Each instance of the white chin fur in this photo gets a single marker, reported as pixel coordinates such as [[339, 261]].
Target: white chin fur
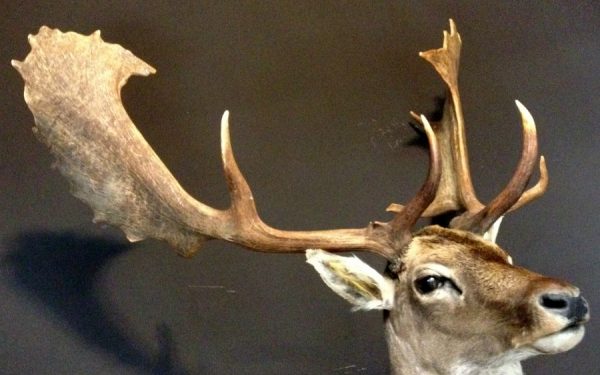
[[560, 341]]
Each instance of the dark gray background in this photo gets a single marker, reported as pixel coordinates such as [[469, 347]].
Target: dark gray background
[[319, 93]]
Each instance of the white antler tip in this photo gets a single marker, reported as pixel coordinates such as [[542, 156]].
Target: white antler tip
[[521, 107], [225, 138], [225, 124], [528, 120], [16, 64], [426, 124], [452, 27]]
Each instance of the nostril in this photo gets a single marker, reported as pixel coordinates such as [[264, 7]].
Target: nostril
[[573, 308], [554, 301]]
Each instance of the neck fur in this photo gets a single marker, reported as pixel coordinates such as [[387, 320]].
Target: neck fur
[[411, 357]]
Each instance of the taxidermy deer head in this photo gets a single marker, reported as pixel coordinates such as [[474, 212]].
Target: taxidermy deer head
[[453, 300]]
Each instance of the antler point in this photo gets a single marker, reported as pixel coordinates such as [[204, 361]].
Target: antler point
[[226, 152], [543, 170], [16, 64], [527, 118], [427, 126]]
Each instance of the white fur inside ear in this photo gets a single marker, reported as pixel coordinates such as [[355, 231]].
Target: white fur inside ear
[[353, 280]]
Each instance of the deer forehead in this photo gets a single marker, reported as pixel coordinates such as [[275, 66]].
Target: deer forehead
[[474, 261], [481, 266], [452, 247]]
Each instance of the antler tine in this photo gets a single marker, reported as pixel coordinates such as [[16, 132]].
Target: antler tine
[[536, 191], [244, 226], [386, 239], [407, 216], [482, 220], [242, 201]]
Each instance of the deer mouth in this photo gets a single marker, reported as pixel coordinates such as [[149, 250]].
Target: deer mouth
[[577, 322], [574, 325], [561, 341]]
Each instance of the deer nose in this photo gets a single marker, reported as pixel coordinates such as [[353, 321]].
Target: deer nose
[[573, 308]]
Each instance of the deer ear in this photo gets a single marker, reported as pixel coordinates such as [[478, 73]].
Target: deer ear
[[353, 280]]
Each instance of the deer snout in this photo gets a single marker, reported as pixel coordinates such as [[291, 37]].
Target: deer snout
[[574, 308]]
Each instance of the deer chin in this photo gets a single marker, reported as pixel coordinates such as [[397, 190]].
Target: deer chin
[[561, 341]]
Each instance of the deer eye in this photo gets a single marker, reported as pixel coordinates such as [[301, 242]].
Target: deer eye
[[429, 283]]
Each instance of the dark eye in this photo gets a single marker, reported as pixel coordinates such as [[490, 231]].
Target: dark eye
[[428, 284]]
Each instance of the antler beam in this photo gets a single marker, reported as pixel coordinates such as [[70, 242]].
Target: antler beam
[[72, 86]]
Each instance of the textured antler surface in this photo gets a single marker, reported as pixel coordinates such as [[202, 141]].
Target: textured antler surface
[[456, 192], [72, 86]]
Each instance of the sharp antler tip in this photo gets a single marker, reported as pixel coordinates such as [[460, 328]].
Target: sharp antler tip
[[528, 121], [225, 122], [225, 115], [521, 107], [452, 26], [225, 137], [415, 116], [426, 124], [543, 168], [16, 64]]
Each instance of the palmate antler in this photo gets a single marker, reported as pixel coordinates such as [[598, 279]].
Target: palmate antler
[[72, 86], [455, 192]]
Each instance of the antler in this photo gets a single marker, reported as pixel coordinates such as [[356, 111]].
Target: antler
[[455, 192], [72, 86]]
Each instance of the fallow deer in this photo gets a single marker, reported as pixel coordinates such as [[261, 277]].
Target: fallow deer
[[454, 302]]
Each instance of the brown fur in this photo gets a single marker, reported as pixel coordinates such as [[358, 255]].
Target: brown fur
[[497, 312]]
